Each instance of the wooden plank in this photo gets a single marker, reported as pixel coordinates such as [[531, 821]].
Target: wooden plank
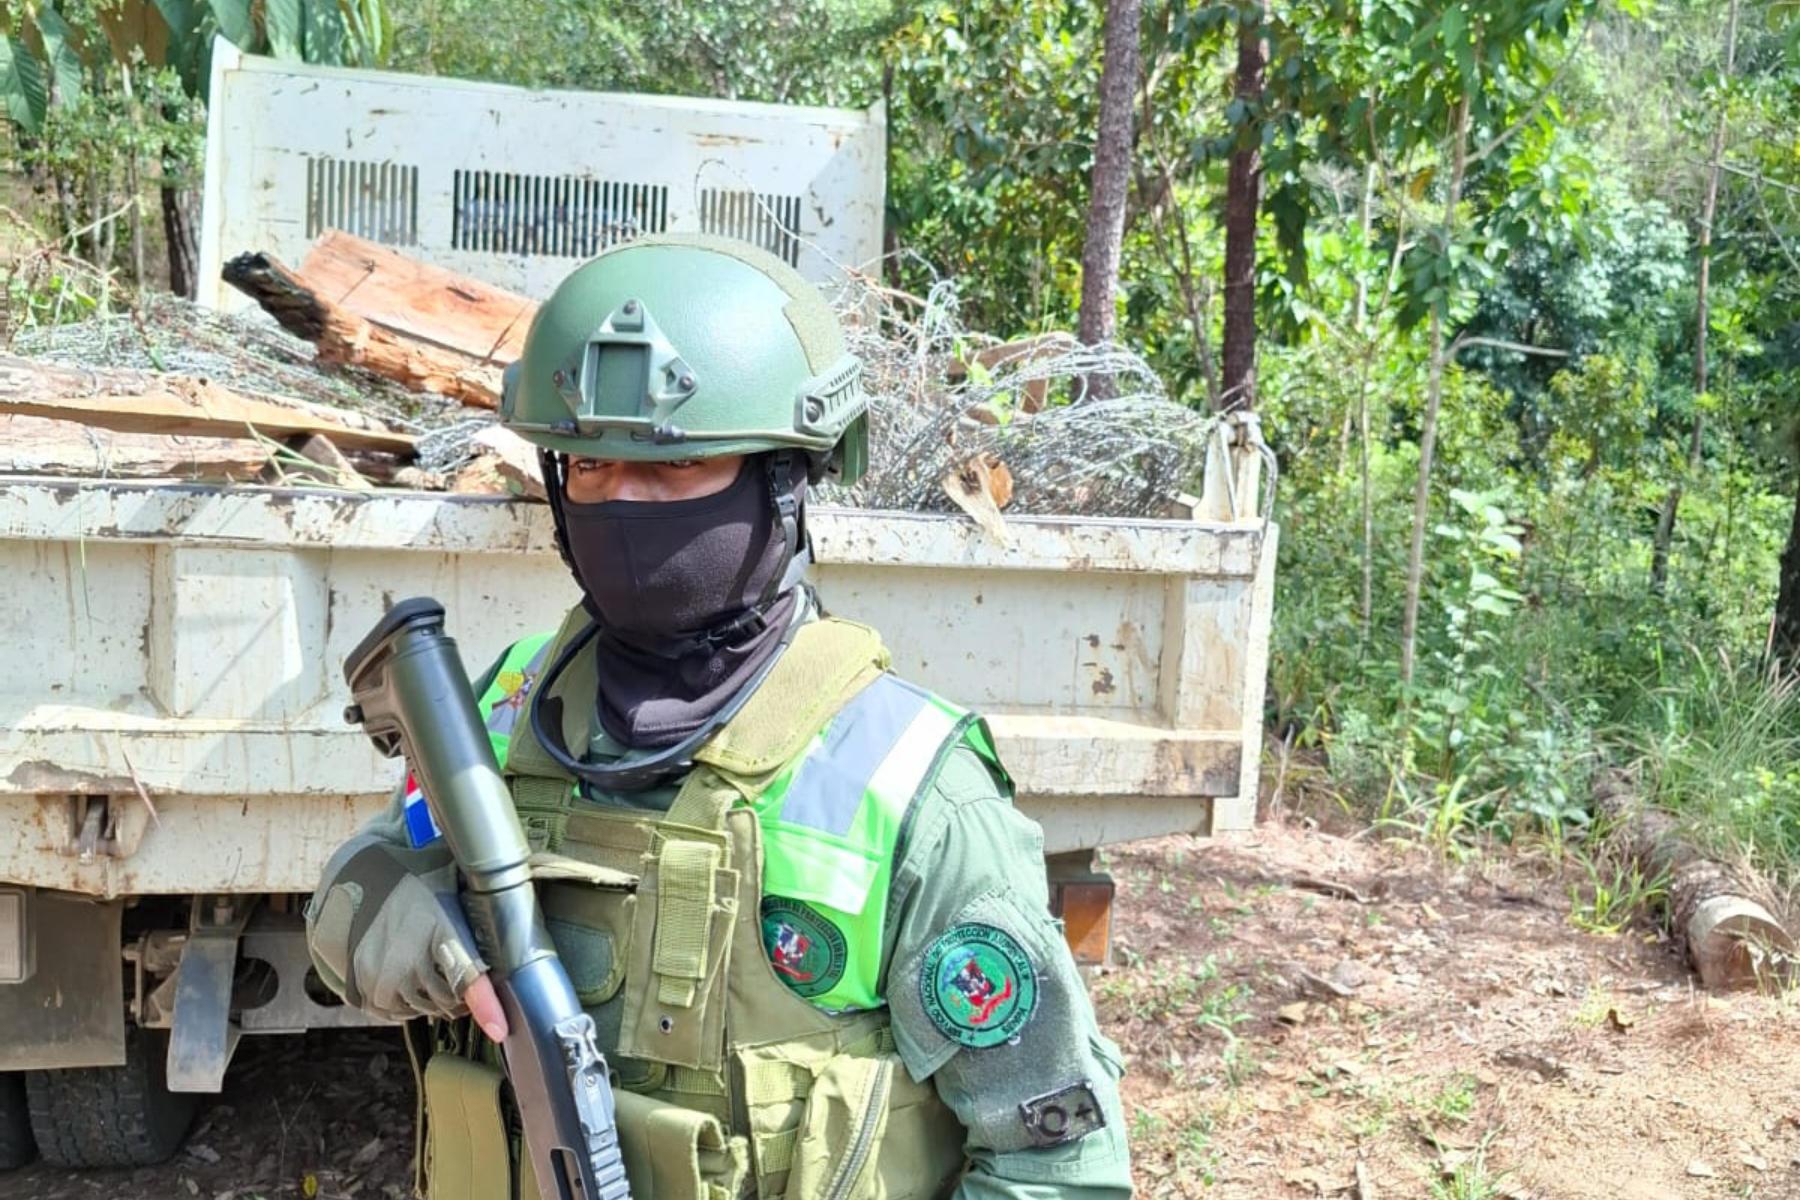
[[389, 289], [41, 446], [345, 338], [145, 402]]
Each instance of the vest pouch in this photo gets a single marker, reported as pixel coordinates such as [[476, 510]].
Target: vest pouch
[[685, 908], [467, 1155], [842, 1129], [588, 911], [675, 1153]]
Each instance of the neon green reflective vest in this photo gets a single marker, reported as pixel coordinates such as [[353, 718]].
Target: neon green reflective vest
[[832, 821]]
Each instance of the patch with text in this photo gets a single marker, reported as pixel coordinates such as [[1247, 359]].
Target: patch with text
[[806, 949], [978, 986]]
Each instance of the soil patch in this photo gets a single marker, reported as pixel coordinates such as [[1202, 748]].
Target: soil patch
[[1311, 1015]]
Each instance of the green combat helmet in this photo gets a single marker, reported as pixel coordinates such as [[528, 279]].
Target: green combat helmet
[[673, 347]]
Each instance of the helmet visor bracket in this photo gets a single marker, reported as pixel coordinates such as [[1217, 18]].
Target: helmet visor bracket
[[629, 376]]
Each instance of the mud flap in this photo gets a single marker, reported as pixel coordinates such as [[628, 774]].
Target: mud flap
[[203, 1035], [71, 1011]]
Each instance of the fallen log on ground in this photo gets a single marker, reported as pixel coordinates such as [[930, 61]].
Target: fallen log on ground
[[1728, 936], [347, 339], [130, 401], [431, 304]]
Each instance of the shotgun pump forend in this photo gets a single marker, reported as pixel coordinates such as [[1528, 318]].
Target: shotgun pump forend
[[411, 696]]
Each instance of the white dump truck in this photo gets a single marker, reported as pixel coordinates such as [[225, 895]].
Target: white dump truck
[[175, 766]]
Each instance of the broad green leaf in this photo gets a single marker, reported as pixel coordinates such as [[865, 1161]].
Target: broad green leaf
[[189, 48], [322, 32], [236, 22], [27, 91], [65, 62], [283, 24]]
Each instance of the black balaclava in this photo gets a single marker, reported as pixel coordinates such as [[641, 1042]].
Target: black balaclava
[[692, 597]]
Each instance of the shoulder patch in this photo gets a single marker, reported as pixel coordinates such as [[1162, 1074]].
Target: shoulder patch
[[977, 985], [806, 949]]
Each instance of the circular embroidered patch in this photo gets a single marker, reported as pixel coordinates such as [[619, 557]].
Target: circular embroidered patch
[[806, 950], [978, 985]]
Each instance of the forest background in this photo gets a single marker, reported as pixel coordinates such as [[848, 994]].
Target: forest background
[[1512, 287]]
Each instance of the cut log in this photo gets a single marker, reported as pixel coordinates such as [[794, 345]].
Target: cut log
[[349, 340], [41, 446], [518, 461], [1728, 936], [146, 402], [427, 303]]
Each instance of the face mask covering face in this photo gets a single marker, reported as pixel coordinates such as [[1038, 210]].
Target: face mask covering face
[[676, 587]]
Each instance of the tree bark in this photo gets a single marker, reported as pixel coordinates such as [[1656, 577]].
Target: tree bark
[[1665, 523], [1243, 200], [414, 298], [1785, 645], [1725, 934], [178, 232], [1111, 185], [347, 339]]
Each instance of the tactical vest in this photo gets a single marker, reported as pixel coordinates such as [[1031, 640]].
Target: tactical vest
[[752, 1044]]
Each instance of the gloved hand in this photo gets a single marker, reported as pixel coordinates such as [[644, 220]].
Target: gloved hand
[[387, 933]]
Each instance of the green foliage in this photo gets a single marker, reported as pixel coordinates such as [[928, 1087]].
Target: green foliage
[[27, 91], [1720, 745], [799, 51], [1613, 896]]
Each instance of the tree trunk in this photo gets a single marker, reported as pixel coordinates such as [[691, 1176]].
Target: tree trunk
[[184, 250], [1785, 647], [1725, 934], [1665, 523], [1434, 396], [1111, 184], [1243, 199]]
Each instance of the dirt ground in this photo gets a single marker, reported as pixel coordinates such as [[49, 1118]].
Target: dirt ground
[[1305, 1015], [1310, 1015]]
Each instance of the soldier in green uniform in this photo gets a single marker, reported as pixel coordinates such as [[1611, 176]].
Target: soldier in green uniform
[[789, 886]]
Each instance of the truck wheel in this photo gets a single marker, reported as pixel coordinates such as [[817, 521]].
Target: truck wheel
[[16, 1145], [110, 1116]]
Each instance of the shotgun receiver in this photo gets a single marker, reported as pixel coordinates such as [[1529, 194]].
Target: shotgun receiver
[[411, 697]]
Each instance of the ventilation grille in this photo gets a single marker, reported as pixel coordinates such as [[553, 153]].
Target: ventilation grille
[[551, 215], [769, 221], [377, 201]]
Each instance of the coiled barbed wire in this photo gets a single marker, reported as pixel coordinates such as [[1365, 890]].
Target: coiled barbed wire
[[940, 396]]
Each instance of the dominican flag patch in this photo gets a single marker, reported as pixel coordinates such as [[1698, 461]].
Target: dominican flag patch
[[421, 830]]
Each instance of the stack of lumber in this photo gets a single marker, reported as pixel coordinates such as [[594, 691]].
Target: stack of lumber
[[365, 308]]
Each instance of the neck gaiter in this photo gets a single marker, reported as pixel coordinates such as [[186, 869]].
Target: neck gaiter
[[686, 593]]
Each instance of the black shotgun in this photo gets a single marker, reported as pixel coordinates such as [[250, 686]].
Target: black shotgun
[[411, 697]]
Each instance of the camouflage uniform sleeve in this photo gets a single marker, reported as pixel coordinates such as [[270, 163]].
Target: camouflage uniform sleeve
[[333, 944], [987, 1001]]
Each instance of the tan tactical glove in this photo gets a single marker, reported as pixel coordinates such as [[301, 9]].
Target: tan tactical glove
[[387, 933]]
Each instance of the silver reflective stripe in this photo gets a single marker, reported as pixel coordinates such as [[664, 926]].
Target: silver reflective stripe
[[505, 714], [827, 791]]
